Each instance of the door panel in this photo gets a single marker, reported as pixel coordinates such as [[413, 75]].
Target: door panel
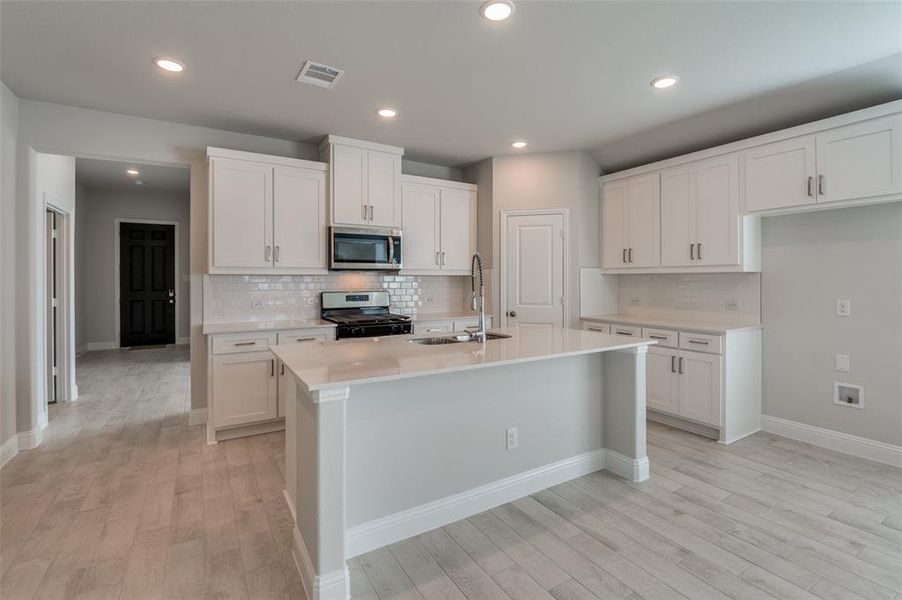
[[861, 160], [349, 185], [677, 215], [700, 387], [613, 224], [661, 380], [458, 209], [644, 217], [384, 188], [535, 269], [716, 212], [299, 218], [244, 389], [241, 213], [419, 208], [146, 284], [777, 175]]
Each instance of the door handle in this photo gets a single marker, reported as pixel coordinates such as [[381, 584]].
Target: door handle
[[283, 370], [673, 364], [699, 250], [681, 365], [436, 257], [272, 367], [810, 186], [691, 251], [171, 293], [305, 339], [371, 212], [363, 210], [821, 188], [267, 253], [245, 343], [631, 255], [512, 313], [276, 254], [624, 255], [443, 259]]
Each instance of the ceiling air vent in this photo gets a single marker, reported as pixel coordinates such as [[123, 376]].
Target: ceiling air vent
[[319, 75]]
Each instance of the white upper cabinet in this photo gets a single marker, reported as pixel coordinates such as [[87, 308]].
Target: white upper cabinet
[[266, 216], [715, 212], [631, 222], [678, 199], [861, 160], [439, 225], [365, 182], [780, 175]]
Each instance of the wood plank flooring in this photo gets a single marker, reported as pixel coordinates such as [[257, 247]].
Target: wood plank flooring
[[125, 500]]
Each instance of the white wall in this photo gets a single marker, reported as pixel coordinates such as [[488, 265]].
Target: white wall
[[95, 266], [80, 288], [810, 260], [9, 124]]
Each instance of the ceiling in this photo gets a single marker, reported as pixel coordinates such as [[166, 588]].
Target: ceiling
[[111, 175], [562, 75]]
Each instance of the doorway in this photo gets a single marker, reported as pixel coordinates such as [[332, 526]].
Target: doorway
[[534, 258], [51, 283], [147, 263]]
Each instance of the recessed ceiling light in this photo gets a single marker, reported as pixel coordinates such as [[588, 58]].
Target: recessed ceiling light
[[497, 10], [133, 172], [518, 145], [387, 112], [169, 64], [139, 182], [665, 81]]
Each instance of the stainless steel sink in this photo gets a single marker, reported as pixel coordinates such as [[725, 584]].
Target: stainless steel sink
[[457, 339]]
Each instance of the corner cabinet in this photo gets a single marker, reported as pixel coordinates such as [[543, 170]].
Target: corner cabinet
[[438, 224], [267, 214], [364, 182]]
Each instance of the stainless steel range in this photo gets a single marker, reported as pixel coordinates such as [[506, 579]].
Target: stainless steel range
[[362, 314]]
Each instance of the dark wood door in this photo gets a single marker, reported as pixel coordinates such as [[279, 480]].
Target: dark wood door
[[146, 284]]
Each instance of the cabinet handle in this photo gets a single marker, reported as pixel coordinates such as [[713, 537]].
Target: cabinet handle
[[436, 257], [245, 343], [622, 332], [272, 367], [624, 255], [267, 253], [371, 212], [699, 342], [658, 337], [810, 186], [443, 259], [275, 255], [283, 370], [631, 255], [363, 208], [691, 251], [699, 250], [434, 330], [821, 188], [305, 339], [681, 365], [673, 364]]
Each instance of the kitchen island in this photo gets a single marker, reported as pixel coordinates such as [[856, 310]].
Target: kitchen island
[[389, 438]]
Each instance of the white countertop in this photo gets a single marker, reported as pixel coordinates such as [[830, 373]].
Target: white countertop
[[320, 366], [700, 325], [271, 325]]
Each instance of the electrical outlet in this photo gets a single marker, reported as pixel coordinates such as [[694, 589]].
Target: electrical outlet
[[731, 304], [843, 307], [513, 438], [842, 363], [848, 394]]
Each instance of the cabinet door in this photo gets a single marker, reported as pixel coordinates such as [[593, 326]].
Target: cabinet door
[[420, 218], [458, 220], [861, 160], [716, 211], [779, 175], [299, 218], [240, 214], [678, 216], [700, 393], [644, 217], [349, 185], [613, 225], [384, 188], [661, 381], [244, 389]]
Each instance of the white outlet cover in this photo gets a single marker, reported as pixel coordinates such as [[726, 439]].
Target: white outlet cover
[[843, 307], [842, 363], [513, 438]]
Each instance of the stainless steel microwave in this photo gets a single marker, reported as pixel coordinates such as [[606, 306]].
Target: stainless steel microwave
[[377, 249]]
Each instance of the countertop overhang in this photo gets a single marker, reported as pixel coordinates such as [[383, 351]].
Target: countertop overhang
[[321, 366]]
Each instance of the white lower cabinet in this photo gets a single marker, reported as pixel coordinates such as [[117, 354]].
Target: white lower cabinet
[[438, 326], [244, 388], [662, 391], [686, 384]]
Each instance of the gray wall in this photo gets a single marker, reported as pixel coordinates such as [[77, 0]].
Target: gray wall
[[810, 260], [412, 167], [95, 255], [9, 121]]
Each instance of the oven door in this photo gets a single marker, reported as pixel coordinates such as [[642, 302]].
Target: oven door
[[363, 248]]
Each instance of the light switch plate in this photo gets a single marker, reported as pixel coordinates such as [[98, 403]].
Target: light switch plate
[[842, 363], [843, 307]]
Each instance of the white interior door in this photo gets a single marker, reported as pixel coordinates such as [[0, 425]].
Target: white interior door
[[419, 210], [534, 270], [299, 218]]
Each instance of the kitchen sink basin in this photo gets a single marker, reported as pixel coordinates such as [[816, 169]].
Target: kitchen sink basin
[[457, 339]]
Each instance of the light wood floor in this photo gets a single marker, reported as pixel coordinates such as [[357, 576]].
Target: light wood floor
[[124, 500]]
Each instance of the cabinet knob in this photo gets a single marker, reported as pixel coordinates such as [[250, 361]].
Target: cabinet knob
[[512, 313]]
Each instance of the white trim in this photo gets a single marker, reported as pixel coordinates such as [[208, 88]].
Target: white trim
[[331, 586], [183, 341], [65, 237], [445, 183], [197, 416], [426, 517], [74, 393], [178, 278], [267, 159], [502, 253], [93, 346], [29, 440], [834, 440], [332, 140], [9, 449], [631, 469]]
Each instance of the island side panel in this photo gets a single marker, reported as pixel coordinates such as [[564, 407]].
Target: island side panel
[[624, 413]]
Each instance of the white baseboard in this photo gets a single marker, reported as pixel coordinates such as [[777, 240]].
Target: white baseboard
[[92, 346], [834, 440], [29, 440], [633, 469], [9, 449], [426, 517], [335, 585], [197, 416], [81, 349], [183, 341], [74, 393]]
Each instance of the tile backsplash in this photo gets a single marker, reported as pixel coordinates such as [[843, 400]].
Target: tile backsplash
[[729, 295], [268, 297]]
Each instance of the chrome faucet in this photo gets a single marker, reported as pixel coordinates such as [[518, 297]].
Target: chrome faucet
[[478, 302]]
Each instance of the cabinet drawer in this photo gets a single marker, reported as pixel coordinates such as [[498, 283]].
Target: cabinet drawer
[[301, 336], [421, 327], [229, 344], [462, 324], [599, 327], [701, 342], [664, 337], [626, 330]]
